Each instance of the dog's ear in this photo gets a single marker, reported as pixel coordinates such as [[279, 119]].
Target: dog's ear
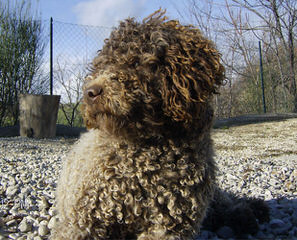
[[192, 74]]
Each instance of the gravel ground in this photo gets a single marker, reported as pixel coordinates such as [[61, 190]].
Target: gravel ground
[[254, 160]]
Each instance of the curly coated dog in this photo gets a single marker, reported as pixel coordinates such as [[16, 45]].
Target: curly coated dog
[[145, 168]]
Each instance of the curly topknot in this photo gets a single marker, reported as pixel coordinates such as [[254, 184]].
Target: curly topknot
[[170, 69]]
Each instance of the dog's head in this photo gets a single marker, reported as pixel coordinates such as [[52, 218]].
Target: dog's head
[[152, 78]]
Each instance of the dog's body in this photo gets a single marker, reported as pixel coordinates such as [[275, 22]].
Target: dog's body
[[125, 191], [145, 169]]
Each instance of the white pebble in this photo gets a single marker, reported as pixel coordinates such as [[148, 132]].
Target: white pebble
[[43, 229], [11, 191], [53, 221], [25, 226]]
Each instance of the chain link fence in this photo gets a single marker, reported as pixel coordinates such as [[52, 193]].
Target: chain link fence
[[73, 48]]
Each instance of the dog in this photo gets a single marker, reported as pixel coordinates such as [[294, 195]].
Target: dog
[[145, 168]]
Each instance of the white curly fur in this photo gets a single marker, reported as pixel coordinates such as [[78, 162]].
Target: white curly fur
[[104, 178]]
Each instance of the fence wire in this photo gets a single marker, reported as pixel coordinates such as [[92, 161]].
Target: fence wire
[[77, 44], [73, 49]]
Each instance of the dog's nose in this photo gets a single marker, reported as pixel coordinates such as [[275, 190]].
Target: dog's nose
[[93, 92]]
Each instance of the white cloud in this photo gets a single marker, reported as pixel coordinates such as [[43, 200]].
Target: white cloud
[[107, 13]]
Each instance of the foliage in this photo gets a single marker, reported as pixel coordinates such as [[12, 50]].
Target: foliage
[[70, 115], [21, 52], [244, 96], [247, 90]]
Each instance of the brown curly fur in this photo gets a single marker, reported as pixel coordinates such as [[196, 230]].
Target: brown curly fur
[[145, 168], [242, 214]]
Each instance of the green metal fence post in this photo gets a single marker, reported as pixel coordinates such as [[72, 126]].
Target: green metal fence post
[[262, 78], [51, 56]]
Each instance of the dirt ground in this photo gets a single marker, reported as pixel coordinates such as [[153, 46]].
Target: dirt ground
[[261, 140]]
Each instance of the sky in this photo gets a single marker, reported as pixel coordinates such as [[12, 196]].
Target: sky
[[105, 13], [102, 13]]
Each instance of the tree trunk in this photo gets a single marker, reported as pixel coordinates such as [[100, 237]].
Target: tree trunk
[[38, 115]]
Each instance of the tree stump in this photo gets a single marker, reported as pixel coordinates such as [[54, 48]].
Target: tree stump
[[38, 115]]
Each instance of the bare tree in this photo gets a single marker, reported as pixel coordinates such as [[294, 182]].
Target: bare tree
[[279, 18], [236, 26], [70, 77]]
